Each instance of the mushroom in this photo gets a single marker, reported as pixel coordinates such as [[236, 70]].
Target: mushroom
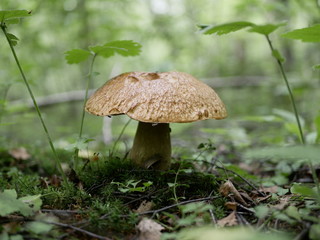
[[156, 99]]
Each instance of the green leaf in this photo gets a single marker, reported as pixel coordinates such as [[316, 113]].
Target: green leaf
[[13, 39], [266, 118], [4, 236], [237, 233], [261, 211], [287, 115], [15, 237], [76, 55], [316, 67], [293, 212], [33, 201], [309, 34], [39, 227], [123, 47], [265, 29], [314, 232], [292, 153], [302, 190], [10, 204], [6, 15], [225, 28], [277, 55]]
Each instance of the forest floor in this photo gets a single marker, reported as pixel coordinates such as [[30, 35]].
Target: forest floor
[[198, 198]]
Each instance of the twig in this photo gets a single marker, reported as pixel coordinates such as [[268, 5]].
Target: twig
[[61, 211], [245, 208], [177, 204], [245, 180], [238, 175], [242, 219], [91, 234], [213, 217]]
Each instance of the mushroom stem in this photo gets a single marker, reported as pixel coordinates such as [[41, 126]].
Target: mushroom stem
[[152, 146]]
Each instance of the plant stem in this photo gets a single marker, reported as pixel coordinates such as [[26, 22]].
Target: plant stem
[[119, 137], [76, 152], [175, 186], [313, 171], [289, 91], [58, 163]]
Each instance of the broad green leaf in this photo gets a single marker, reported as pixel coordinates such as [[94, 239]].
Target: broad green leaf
[[293, 212], [261, 211], [10, 204], [225, 28], [314, 232], [76, 55], [123, 47], [309, 34], [266, 118], [13, 39], [196, 207], [302, 190], [287, 115], [277, 55], [188, 220], [316, 67], [33, 201], [292, 153], [39, 227], [238, 233], [6, 15], [265, 29], [4, 235], [14, 237]]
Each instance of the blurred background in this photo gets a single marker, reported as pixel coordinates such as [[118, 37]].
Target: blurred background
[[238, 66]]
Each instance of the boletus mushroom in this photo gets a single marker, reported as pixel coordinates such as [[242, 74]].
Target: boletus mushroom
[[156, 99]]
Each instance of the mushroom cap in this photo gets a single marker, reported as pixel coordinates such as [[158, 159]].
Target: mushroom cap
[[167, 97]]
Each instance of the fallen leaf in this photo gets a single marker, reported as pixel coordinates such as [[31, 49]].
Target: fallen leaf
[[283, 202], [227, 188], [231, 205], [19, 153], [149, 230], [262, 199], [230, 220], [273, 189], [144, 207]]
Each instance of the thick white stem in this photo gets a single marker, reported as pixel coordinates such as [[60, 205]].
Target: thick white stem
[[152, 146]]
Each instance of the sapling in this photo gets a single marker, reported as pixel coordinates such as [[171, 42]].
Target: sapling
[[123, 47], [12, 17], [264, 30], [309, 34]]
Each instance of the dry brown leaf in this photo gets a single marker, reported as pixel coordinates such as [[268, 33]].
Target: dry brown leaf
[[149, 230], [262, 199], [283, 202], [231, 205], [19, 153], [230, 220], [227, 188], [245, 196], [273, 189], [144, 207]]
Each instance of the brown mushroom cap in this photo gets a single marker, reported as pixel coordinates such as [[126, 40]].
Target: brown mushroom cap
[[167, 97]]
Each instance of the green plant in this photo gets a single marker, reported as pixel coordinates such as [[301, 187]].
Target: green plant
[[132, 186], [75, 56], [28, 206], [12, 17], [264, 30]]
